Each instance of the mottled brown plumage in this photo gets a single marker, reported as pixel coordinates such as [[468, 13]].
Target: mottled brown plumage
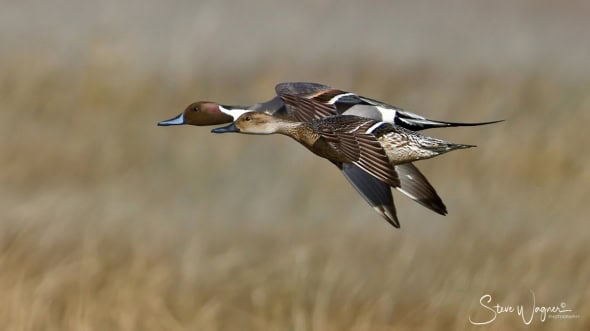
[[376, 147]]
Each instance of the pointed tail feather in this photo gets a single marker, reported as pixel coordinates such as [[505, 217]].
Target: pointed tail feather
[[447, 147], [417, 124]]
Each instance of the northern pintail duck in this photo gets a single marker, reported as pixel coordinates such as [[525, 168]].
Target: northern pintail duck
[[308, 101], [375, 147]]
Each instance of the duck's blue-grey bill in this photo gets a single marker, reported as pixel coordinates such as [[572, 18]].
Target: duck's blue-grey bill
[[178, 120], [224, 129]]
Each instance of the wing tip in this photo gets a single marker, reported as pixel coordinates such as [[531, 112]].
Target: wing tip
[[438, 207], [389, 214]]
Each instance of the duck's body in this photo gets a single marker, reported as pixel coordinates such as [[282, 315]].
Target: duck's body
[[402, 145], [308, 101], [374, 147], [305, 101], [326, 137]]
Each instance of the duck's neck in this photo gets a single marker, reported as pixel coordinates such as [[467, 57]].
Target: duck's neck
[[300, 131], [232, 112]]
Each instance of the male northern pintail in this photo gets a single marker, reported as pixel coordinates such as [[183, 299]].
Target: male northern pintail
[[307, 101], [375, 147]]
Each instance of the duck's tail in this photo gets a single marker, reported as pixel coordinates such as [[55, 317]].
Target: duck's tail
[[444, 147], [417, 124], [447, 147]]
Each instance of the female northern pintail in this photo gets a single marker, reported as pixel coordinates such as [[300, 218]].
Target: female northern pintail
[[375, 147], [307, 101]]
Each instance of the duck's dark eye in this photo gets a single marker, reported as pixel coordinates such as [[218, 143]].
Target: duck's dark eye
[[247, 118]]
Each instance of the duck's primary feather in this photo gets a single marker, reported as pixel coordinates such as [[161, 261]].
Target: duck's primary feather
[[375, 192]]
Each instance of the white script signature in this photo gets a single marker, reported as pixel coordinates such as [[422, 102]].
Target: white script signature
[[527, 314]]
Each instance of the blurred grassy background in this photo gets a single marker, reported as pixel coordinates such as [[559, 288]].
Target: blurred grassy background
[[109, 222]]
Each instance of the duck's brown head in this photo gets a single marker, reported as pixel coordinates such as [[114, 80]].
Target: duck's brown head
[[199, 113], [253, 123]]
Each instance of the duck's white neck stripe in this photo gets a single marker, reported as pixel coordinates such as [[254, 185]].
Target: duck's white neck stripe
[[336, 98], [373, 127], [387, 114], [235, 112]]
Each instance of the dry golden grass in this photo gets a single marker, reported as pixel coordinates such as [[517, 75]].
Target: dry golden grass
[[109, 222]]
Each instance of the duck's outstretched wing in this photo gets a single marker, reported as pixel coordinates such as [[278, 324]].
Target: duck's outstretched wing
[[414, 185], [306, 110], [314, 103], [374, 191], [346, 135], [300, 88], [378, 194], [271, 106]]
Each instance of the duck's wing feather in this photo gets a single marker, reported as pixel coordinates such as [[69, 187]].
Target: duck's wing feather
[[378, 194], [319, 103], [305, 110], [414, 185], [346, 135], [375, 192], [276, 105], [300, 88], [374, 160], [311, 101], [271, 106]]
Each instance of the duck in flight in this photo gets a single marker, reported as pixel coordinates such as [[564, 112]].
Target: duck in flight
[[308, 101], [373, 146], [305, 101]]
